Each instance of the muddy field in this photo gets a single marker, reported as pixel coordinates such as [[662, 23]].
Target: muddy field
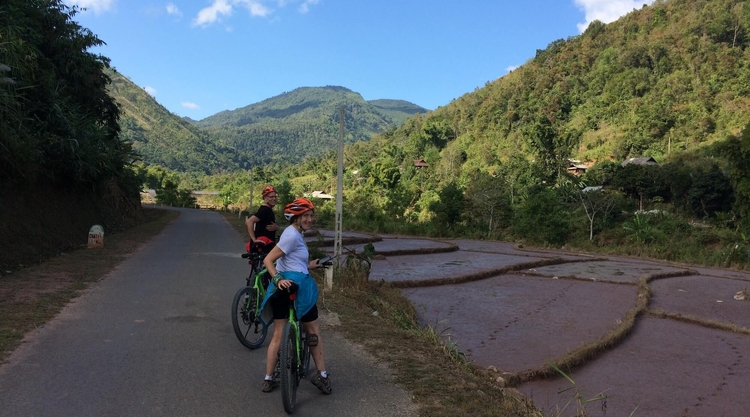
[[687, 353]]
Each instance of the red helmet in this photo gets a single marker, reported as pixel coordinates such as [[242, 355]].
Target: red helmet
[[268, 190], [297, 207]]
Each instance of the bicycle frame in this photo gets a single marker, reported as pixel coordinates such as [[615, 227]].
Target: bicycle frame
[[297, 330], [294, 357], [260, 291]]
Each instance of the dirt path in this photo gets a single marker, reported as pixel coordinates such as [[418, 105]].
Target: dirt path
[[688, 353]]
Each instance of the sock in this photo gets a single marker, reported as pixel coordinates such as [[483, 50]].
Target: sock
[[324, 374], [269, 378]]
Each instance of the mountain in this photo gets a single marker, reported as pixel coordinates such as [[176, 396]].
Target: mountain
[[163, 138], [304, 122], [397, 110], [285, 128]]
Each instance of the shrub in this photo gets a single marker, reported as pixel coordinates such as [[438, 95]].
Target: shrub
[[543, 218]]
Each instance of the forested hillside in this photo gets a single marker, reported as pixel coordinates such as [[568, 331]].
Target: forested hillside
[[160, 137], [304, 122], [63, 165], [666, 78]]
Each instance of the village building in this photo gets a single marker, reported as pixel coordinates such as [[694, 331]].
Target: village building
[[640, 161]]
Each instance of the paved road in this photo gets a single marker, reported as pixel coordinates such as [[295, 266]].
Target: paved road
[[154, 338]]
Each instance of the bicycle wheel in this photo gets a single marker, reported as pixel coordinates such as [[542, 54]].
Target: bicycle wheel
[[289, 370], [248, 327]]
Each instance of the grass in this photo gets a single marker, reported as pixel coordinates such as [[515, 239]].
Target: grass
[[32, 296]]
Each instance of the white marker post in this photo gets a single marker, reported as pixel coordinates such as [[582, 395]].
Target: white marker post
[[96, 237]]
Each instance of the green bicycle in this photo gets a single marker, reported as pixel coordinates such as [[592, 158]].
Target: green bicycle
[[249, 327], [294, 355]]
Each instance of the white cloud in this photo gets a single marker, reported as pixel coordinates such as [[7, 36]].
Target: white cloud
[[190, 105], [150, 90], [212, 13], [97, 6], [173, 10], [606, 10], [305, 6], [257, 8], [511, 68]]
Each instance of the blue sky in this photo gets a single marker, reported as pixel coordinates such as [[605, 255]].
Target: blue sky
[[200, 57]]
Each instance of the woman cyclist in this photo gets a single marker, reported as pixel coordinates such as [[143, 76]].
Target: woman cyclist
[[292, 266]]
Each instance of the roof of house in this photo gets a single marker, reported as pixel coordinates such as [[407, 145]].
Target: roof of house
[[583, 167], [592, 188], [640, 161], [322, 195], [420, 163]]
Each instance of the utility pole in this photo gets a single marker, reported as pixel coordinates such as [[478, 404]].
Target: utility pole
[[669, 147], [337, 249]]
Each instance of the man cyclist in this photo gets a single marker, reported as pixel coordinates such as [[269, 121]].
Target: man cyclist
[[263, 222]]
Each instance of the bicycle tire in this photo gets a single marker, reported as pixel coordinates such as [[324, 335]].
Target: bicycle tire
[[249, 329], [289, 368]]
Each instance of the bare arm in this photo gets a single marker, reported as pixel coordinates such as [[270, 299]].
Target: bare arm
[[250, 223], [272, 257]]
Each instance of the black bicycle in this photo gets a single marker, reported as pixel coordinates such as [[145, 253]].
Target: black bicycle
[[247, 322]]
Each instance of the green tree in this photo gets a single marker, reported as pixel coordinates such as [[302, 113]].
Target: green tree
[[449, 206], [597, 203], [284, 193], [58, 120], [711, 192], [603, 173], [641, 182], [489, 202], [542, 218], [736, 150], [168, 195], [229, 194]]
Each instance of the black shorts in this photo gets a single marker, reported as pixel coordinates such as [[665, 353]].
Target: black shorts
[[280, 307]]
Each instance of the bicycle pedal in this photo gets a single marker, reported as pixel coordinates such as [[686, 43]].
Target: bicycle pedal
[[312, 340]]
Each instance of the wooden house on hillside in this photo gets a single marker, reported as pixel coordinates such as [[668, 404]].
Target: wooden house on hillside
[[576, 168], [420, 163]]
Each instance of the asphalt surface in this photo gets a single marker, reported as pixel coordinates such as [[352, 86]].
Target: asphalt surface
[[154, 338]]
